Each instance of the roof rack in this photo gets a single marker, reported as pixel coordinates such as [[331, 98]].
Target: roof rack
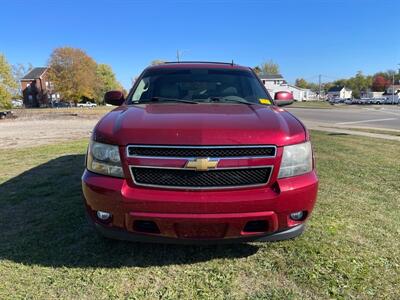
[[199, 62]]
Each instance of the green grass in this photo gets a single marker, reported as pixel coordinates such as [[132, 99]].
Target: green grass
[[351, 248], [319, 105], [312, 104]]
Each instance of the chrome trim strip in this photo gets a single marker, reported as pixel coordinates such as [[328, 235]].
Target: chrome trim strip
[[201, 188], [200, 147]]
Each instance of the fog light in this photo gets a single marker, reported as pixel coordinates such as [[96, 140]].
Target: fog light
[[103, 215], [297, 216]]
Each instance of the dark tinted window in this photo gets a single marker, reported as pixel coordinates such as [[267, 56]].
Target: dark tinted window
[[201, 85]]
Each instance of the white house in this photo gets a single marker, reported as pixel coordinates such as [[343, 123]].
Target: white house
[[272, 80], [276, 83], [371, 95], [339, 92]]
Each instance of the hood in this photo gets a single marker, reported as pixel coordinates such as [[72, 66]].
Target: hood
[[199, 124]]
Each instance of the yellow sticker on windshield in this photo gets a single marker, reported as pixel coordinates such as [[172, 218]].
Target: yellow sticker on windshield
[[264, 101]]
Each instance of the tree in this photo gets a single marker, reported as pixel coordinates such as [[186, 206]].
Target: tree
[[7, 83], [301, 83], [257, 70], [106, 81], [269, 67], [19, 70], [359, 83], [157, 62], [380, 83], [73, 73]]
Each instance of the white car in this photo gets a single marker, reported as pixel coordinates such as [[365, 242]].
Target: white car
[[376, 101], [349, 101], [16, 103], [391, 100], [86, 104], [362, 101]]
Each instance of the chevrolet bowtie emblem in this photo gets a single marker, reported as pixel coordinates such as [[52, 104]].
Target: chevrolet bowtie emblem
[[202, 164]]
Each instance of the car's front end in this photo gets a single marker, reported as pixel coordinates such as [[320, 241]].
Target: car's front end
[[204, 172]]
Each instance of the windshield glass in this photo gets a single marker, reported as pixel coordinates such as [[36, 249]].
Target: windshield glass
[[200, 85]]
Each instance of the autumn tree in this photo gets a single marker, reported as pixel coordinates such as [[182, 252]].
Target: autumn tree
[[257, 70], [7, 83], [380, 83], [157, 62], [269, 67], [105, 81], [301, 83], [359, 83], [73, 73]]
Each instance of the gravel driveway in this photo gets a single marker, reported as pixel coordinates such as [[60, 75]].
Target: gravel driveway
[[38, 127]]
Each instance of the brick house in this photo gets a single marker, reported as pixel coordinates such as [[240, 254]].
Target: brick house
[[37, 90]]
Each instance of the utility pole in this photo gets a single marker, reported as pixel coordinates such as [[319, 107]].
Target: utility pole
[[393, 88], [319, 84], [398, 94], [179, 54]]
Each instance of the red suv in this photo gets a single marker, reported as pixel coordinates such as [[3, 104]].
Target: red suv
[[199, 152]]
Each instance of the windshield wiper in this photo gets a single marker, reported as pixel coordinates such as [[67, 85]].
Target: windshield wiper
[[228, 99], [163, 99]]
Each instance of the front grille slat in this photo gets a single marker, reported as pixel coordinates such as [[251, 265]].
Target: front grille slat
[[181, 178], [165, 151]]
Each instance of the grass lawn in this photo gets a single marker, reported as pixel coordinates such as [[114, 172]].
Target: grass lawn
[[319, 105], [312, 104], [351, 248]]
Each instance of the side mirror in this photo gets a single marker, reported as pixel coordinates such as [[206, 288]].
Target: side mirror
[[114, 98], [283, 98]]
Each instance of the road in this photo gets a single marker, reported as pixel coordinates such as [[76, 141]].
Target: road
[[381, 117]]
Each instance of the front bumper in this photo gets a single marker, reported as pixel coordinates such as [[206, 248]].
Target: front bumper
[[199, 216], [119, 234]]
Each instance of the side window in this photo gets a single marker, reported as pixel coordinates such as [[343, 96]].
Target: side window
[[142, 88]]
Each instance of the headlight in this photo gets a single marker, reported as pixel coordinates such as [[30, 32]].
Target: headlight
[[104, 159], [296, 160]]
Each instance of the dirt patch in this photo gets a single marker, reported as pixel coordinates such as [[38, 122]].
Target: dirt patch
[[47, 126]]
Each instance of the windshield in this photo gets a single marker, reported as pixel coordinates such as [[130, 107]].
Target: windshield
[[199, 85]]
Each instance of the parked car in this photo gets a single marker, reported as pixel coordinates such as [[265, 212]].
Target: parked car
[[16, 103], [362, 101], [391, 100], [376, 101], [199, 152], [86, 104], [337, 100], [61, 104], [349, 101]]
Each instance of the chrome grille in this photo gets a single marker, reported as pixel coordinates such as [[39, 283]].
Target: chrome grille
[[199, 178], [201, 151]]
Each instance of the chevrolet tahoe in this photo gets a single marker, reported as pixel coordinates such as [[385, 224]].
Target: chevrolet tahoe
[[199, 152]]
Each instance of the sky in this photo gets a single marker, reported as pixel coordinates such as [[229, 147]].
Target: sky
[[335, 38]]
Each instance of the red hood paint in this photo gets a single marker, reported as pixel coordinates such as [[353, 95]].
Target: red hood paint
[[199, 124]]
